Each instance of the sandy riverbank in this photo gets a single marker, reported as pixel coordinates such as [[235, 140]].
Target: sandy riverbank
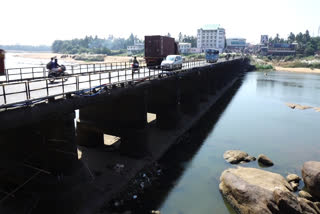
[[46, 55], [299, 70]]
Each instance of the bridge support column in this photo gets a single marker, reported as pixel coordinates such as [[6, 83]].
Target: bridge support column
[[49, 145], [190, 97], [204, 82], [60, 152], [163, 99], [122, 116], [212, 76], [134, 143]]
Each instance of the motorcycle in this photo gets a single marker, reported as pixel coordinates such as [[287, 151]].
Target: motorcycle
[[60, 72], [135, 67]]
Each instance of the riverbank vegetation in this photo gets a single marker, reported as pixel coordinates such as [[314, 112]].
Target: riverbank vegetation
[[30, 48], [94, 45], [305, 44]]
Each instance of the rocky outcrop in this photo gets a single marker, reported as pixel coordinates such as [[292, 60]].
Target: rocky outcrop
[[251, 190], [263, 159], [293, 177], [311, 177], [306, 195], [237, 156]]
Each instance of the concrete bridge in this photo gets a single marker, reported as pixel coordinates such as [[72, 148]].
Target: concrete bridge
[[43, 136]]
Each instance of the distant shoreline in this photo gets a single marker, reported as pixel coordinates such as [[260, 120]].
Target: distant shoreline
[[48, 55], [297, 70]]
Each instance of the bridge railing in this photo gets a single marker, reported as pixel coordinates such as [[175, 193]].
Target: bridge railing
[[89, 83], [30, 73]]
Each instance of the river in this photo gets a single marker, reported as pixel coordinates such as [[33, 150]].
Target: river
[[256, 120]]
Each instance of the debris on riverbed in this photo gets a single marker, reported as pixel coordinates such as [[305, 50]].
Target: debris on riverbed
[[132, 196]]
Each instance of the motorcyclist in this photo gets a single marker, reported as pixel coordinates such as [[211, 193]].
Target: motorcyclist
[[55, 66], [135, 62]]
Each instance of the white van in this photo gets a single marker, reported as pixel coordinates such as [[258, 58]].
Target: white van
[[172, 62]]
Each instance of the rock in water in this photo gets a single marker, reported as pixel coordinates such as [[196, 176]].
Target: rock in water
[[294, 185], [293, 177], [311, 177], [237, 156], [256, 191], [306, 195], [250, 190], [263, 159]]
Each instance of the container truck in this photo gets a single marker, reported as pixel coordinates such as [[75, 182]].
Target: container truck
[[157, 48]]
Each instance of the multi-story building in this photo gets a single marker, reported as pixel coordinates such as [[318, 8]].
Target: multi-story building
[[211, 36], [184, 47], [236, 44]]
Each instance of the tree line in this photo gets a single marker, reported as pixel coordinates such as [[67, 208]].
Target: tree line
[[94, 45], [306, 45], [188, 39], [25, 48]]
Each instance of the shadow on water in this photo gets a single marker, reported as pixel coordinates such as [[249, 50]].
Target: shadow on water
[[176, 161]]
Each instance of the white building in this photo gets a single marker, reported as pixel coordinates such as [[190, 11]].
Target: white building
[[137, 47], [236, 43], [211, 36], [184, 47], [194, 50]]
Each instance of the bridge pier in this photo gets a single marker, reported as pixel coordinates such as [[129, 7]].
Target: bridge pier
[[124, 116], [48, 145], [204, 83], [190, 94], [163, 99]]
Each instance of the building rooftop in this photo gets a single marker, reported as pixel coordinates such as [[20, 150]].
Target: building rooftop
[[237, 38], [211, 27]]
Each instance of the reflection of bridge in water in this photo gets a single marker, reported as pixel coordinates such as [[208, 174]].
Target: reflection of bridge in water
[[39, 139]]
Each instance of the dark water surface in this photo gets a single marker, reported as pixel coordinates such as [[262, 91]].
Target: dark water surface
[[255, 120]]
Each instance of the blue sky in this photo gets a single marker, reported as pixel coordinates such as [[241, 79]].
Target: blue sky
[[41, 21]]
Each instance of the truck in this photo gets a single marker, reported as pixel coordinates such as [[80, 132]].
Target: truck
[[157, 48]]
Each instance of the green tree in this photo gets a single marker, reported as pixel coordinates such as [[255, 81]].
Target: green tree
[[291, 37], [180, 37], [190, 39]]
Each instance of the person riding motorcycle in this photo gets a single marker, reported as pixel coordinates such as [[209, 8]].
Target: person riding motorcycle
[[135, 61], [55, 66], [135, 64]]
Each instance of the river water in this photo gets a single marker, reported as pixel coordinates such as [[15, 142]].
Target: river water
[[256, 120]]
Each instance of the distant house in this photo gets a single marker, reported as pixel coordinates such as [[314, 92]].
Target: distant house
[[136, 48], [184, 47], [236, 43], [194, 50], [281, 49]]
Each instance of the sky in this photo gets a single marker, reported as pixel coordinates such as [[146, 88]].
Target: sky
[[40, 22]]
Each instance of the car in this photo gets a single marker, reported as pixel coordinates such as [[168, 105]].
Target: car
[[172, 62]]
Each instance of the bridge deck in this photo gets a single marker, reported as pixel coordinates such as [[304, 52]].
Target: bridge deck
[[22, 93]]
